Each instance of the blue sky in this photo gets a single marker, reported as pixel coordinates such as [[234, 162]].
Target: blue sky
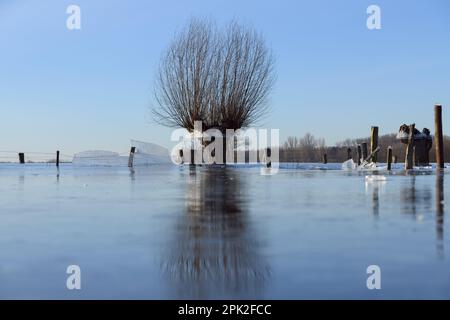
[[92, 88]]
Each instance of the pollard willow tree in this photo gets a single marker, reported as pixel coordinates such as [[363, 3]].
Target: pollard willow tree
[[221, 77]]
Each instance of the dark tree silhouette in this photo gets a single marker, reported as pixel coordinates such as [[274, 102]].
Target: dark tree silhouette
[[220, 77]]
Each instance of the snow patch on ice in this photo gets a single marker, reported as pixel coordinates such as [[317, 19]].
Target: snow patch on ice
[[370, 178]]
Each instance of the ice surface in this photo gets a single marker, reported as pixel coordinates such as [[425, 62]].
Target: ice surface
[[163, 232]]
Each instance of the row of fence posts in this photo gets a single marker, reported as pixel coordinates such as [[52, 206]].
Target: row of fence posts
[[268, 157], [438, 141], [22, 158], [133, 151], [362, 150]]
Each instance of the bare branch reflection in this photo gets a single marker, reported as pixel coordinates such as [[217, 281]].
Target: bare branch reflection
[[216, 251]]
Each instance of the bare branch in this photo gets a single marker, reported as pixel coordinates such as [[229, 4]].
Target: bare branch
[[222, 78]]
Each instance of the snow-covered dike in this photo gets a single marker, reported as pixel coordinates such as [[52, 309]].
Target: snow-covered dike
[[146, 154]]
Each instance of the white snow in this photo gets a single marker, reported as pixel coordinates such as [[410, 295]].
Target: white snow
[[146, 154]]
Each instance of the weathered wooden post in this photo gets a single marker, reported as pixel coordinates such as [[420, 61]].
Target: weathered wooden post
[[181, 155], [269, 154], [359, 155], [409, 159], [22, 157], [130, 159], [389, 158], [57, 158], [371, 155], [325, 158], [192, 162], [349, 153], [439, 142], [246, 155], [422, 150], [415, 160], [374, 142], [365, 152]]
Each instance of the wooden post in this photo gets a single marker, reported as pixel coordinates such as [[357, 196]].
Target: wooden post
[[415, 157], [22, 157], [372, 154], [269, 154], [192, 161], [421, 153], [374, 142], [349, 153], [130, 159], [359, 155], [181, 155], [365, 152], [409, 159], [389, 158], [438, 139], [57, 158], [325, 159]]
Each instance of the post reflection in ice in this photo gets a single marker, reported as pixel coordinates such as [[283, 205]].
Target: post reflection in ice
[[216, 252], [416, 197], [417, 201], [375, 188], [440, 211]]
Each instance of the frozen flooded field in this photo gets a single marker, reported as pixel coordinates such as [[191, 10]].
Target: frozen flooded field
[[167, 232]]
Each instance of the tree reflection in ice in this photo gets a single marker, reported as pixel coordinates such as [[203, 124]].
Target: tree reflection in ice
[[216, 250]]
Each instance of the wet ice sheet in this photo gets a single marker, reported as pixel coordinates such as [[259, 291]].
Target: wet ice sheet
[[174, 232]]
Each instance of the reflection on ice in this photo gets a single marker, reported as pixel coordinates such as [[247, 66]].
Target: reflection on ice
[[440, 212], [166, 232], [216, 249]]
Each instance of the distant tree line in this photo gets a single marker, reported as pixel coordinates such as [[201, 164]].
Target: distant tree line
[[311, 149]]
